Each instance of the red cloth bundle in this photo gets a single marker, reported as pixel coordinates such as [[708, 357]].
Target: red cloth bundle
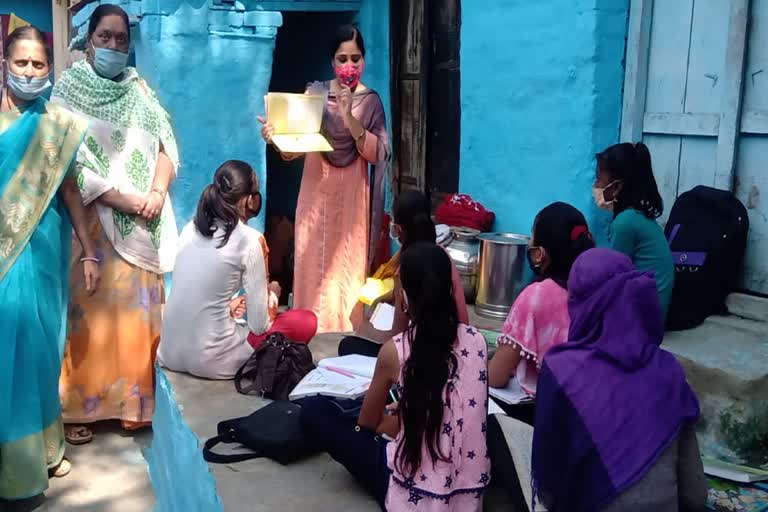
[[460, 210]]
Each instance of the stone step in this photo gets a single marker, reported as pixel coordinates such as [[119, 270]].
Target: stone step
[[751, 307], [726, 362]]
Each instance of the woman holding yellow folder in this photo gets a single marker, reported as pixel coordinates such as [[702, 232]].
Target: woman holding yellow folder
[[340, 209]]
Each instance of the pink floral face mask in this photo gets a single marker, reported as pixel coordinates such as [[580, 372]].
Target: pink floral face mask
[[349, 74]]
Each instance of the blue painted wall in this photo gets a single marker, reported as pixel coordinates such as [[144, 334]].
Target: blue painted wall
[[541, 86], [36, 12]]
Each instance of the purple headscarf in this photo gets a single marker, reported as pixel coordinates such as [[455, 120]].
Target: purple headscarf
[[368, 109], [609, 401]]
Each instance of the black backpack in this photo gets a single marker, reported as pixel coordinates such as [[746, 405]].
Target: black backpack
[[707, 233], [275, 368]]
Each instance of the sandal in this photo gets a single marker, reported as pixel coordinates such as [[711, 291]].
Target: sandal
[[78, 434], [61, 470]]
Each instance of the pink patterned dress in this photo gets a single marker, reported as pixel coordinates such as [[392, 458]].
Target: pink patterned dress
[[537, 321], [458, 483]]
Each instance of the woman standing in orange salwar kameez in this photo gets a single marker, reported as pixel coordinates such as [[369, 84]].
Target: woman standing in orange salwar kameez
[[125, 166], [339, 214]]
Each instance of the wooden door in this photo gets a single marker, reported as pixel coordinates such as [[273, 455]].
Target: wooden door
[[444, 99], [426, 99], [409, 27], [696, 92]]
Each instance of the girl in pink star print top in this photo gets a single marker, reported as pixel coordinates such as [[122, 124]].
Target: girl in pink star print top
[[438, 459]]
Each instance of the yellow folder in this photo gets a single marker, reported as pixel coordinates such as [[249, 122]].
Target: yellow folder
[[296, 119]]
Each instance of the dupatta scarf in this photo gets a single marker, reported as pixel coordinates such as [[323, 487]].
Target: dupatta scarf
[[128, 128], [37, 147], [610, 400], [368, 109]]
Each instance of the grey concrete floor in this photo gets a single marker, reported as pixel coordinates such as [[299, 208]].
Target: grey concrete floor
[[108, 475]]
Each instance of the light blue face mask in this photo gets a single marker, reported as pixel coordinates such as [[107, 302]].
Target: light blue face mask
[[28, 89], [109, 63]]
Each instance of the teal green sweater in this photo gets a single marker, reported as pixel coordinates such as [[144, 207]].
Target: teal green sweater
[[643, 240]]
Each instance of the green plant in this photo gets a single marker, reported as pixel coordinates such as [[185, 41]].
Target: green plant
[[748, 438]]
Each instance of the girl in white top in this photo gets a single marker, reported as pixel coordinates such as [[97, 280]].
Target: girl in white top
[[219, 255]]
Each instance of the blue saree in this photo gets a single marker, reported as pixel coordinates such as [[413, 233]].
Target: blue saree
[[37, 147]]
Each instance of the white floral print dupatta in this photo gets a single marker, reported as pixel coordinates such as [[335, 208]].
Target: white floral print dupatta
[[127, 127]]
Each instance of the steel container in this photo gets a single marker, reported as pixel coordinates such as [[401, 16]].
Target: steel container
[[501, 274]]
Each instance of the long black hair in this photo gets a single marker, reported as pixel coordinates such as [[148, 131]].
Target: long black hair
[[631, 163], [107, 10], [217, 208], [347, 33], [412, 213], [27, 33], [562, 231], [425, 273]]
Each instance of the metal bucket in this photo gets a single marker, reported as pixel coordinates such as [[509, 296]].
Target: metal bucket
[[502, 273]]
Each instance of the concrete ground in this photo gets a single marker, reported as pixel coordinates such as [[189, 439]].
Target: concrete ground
[[108, 475]]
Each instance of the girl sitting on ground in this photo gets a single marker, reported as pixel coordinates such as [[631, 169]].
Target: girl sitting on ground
[[625, 185], [412, 223], [614, 412], [219, 255], [438, 459], [537, 321], [539, 317]]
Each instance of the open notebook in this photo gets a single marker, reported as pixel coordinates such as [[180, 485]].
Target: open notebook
[[340, 377], [296, 119], [512, 394], [733, 472]]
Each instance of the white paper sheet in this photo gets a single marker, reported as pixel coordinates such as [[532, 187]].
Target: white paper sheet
[[383, 317], [512, 394], [493, 408]]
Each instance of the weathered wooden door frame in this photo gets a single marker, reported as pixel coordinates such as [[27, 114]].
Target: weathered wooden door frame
[[425, 92], [726, 126]]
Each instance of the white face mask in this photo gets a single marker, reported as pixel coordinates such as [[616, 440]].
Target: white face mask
[[27, 88], [599, 196]]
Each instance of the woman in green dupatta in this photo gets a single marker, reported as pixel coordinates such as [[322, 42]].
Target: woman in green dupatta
[[38, 142], [125, 165]]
